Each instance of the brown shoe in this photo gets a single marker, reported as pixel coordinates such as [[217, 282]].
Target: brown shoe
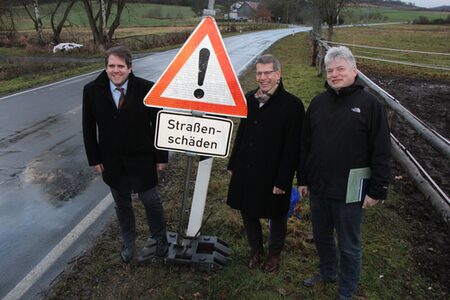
[[255, 260], [272, 263]]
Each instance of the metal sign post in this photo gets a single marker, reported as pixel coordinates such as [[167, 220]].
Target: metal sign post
[[194, 135], [187, 179], [199, 197]]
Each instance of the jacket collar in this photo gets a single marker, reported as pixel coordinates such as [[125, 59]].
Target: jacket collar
[[348, 89], [279, 89], [103, 79]]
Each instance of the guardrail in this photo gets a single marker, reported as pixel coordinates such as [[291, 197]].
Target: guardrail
[[420, 177]]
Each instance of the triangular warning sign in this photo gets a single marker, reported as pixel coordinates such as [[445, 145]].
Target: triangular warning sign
[[200, 77]]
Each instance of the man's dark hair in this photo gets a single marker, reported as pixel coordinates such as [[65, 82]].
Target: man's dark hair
[[119, 51], [268, 59]]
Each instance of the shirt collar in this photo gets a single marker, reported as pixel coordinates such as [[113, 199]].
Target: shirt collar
[[113, 87]]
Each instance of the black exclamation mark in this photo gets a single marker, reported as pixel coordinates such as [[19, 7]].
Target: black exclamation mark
[[202, 65]]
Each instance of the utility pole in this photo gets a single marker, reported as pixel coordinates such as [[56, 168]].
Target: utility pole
[[210, 11]]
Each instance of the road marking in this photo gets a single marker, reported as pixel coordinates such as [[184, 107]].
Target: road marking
[[31, 278]]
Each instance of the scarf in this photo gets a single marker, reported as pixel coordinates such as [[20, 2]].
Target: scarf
[[263, 97]]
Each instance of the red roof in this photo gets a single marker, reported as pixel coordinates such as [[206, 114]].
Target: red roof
[[252, 4]]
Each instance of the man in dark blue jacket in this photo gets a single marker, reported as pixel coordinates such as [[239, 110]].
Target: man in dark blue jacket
[[345, 128], [118, 131]]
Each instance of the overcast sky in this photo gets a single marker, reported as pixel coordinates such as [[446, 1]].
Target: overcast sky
[[428, 3]]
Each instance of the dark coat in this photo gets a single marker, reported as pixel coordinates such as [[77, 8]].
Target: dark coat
[[341, 132], [121, 140], [265, 154]]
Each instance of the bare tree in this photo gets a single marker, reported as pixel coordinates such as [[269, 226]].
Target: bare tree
[[262, 14], [36, 17], [57, 28], [328, 11], [7, 22], [286, 11], [316, 34], [98, 19], [198, 6], [322, 11]]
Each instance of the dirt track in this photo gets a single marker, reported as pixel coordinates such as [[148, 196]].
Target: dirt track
[[430, 101]]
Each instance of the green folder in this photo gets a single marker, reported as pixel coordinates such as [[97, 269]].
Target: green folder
[[357, 184]]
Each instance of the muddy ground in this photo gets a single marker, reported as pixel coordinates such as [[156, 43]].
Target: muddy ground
[[430, 101]]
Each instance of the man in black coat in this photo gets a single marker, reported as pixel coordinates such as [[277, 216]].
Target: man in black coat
[[263, 161], [118, 131], [345, 128]]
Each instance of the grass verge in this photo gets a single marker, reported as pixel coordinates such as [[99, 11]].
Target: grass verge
[[388, 270], [54, 72]]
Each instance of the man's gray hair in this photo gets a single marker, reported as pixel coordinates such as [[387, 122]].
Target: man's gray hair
[[340, 52], [121, 52], [267, 59]]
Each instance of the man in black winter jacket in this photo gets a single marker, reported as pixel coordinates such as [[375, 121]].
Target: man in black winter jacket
[[345, 128], [118, 131], [263, 161]]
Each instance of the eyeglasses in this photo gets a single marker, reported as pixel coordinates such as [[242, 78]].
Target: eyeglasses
[[267, 73]]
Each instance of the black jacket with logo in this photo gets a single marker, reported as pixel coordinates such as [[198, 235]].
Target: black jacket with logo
[[343, 131]]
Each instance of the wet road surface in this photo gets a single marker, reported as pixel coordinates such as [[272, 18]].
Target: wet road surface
[[46, 187]]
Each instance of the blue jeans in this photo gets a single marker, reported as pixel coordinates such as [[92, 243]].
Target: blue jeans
[[153, 210], [329, 215]]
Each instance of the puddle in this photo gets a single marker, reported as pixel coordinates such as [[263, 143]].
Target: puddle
[[62, 173]]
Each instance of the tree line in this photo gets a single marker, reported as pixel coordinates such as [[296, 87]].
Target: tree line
[[104, 15], [99, 14]]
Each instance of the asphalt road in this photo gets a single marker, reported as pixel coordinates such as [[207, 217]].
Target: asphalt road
[[46, 187]]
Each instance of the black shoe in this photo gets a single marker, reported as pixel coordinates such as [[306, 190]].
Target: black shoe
[[272, 263], [127, 253], [317, 279], [162, 247], [255, 260]]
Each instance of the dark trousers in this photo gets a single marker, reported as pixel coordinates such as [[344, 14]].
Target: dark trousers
[[153, 210], [329, 215], [278, 228]]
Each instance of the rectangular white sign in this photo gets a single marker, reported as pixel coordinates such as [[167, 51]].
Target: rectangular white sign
[[181, 132]]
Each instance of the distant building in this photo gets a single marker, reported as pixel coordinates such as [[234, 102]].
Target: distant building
[[247, 10]]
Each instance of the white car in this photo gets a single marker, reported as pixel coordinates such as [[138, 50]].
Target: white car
[[65, 47]]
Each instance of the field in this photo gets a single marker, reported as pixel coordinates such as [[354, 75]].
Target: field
[[384, 14], [426, 38], [134, 15], [149, 15], [391, 267]]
